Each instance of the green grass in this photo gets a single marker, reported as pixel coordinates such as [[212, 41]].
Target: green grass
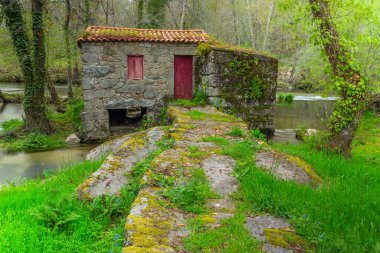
[[236, 132], [45, 216], [35, 142], [230, 237], [342, 215], [367, 142], [191, 194]]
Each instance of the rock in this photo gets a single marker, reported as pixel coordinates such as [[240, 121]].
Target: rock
[[72, 139], [257, 225], [301, 134], [286, 167]]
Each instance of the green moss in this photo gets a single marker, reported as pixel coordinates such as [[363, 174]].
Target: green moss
[[197, 115], [286, 239]]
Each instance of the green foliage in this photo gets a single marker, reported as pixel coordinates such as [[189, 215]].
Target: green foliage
[[236, 132], [199, 100], [203, 49], [257, 134], [285, 97], [191, 194], [11, 125], [346, 108], [56, 215], [35, 142]]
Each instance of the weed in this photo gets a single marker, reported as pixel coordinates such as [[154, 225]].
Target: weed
[[257, 134], [236, 132], [191, 194], [217, 140], [11, 125]]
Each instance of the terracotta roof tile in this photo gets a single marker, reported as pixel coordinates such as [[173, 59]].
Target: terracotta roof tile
[[101, 33]]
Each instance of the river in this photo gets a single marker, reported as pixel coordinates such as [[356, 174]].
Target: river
[[16, 166], [307, 109]]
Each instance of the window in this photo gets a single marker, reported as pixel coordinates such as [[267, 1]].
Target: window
[[135, 67]]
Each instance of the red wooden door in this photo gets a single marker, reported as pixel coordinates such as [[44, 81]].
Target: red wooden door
[[183, 77]]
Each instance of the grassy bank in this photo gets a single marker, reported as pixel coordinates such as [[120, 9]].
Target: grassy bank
[[45, 216], [13, 139], [342, 215]]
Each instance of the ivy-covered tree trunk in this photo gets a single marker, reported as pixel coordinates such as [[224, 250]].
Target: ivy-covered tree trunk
[[140, 13], [34, 102], [350, 84], [66, 28], [36, 119]]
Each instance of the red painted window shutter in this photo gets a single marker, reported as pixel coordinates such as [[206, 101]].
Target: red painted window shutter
[[135, 67]]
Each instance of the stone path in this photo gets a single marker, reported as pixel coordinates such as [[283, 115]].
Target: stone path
[[154, 224]]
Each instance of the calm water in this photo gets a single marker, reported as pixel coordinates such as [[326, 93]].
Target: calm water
[[19, 87], [17, 166], [310, 110]]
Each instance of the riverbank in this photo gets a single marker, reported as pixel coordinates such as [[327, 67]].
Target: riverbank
[[45, 215], [13, 139]]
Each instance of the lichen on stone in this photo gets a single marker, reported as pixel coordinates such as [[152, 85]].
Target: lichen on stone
[[286, 238]]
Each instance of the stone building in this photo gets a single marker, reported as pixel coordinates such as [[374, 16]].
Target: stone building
[[129, 73]]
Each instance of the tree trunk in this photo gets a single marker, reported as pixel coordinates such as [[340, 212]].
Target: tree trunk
[[68, 49], [181, 23], [350, 83], [270, 14], [140, 13], [34, 73], [87, 15], [34, 103]]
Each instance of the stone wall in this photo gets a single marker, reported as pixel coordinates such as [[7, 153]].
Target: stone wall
[[240, 82], [106, 85]]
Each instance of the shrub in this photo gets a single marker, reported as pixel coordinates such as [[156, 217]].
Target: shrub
[[289, 98]]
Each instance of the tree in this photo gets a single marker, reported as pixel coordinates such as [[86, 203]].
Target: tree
[[34, 70], [68, 49], [349, 81]]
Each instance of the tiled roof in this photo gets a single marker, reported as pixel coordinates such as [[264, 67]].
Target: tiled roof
[[101, 33]]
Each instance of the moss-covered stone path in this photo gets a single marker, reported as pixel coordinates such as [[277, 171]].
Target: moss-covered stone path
[[189, 182]]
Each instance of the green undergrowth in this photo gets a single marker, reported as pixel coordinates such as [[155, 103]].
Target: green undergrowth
[[13, 139], [230, 237], [45, 215]]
